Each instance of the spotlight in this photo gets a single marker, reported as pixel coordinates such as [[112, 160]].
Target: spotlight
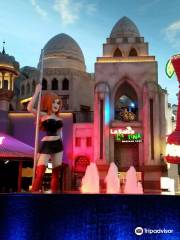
[[132, 105], [6, 162], [50, 165]]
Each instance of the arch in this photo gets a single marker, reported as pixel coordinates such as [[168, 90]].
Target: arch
[[126, 103], [22, 90], [133, 52], [54, 84], [81, 163], [44, 84], [28, 89], [65, 84], [117, 53], [33, 86]]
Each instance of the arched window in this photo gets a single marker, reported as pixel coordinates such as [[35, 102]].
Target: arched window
[[117, 53], [28, 89], [126, 103], [54, 84], [33, 86], [22, 90], [133, 52], [65, 84], [44, 84]]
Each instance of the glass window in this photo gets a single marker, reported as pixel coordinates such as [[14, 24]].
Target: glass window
[[117, 53], [44, 84], [65, 84], [88, 141], [133, 52], [126, 104], [54, 85]]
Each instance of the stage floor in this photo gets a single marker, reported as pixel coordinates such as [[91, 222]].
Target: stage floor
[[89, 217]]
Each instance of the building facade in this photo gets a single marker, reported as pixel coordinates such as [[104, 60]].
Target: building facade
[[130, 108]]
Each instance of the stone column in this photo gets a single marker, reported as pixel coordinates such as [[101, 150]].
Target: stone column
[[3, 74], [11, 82]]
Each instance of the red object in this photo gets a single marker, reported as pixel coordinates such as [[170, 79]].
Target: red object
[[40, 170], [55, 179], [174, 137]]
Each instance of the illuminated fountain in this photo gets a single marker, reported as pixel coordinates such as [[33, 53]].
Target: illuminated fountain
[[112, 180], [90, 181], [139, 188], [132, 186]]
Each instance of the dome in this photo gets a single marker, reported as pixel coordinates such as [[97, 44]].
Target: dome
[[63, 51], [9, 61], [124, 28], [27, 72]]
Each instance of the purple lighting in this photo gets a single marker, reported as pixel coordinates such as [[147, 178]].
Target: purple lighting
[[12, 148], [1, 139]]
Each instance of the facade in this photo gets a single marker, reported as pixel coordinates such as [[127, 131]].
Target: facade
[[64, 73], [131, 112], [127, 95]]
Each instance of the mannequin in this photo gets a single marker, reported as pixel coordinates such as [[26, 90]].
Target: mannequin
[[51, 146]]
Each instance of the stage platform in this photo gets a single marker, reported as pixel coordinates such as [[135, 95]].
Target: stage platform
[[89, 217]]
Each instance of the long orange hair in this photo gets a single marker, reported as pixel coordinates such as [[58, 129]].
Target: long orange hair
[[46, 104], [47, 101]]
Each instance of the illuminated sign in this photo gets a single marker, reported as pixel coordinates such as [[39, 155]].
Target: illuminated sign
[[1, 139], [169, 67], [136, 137], [126, 135], [128, 130]]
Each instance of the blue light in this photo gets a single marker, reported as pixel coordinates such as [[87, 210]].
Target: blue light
[[107, 111], [132, 105]]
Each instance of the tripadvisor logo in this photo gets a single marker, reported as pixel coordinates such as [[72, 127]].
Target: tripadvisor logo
[[139, 231]]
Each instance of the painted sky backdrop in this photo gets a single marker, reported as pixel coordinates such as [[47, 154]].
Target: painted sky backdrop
[[26, 26]]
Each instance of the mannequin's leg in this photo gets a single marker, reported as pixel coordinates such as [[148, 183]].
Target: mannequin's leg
[[56, 162], [40, 170]]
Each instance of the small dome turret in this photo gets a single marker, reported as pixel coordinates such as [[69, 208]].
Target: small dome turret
[[125, 28]]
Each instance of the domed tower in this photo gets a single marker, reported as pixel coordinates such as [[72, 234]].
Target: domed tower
[[65, 73], [129, 100], [125, 41], [9, 70], [62, 51]]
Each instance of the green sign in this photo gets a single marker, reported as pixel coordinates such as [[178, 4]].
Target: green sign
[[169, 69], [136, 137]]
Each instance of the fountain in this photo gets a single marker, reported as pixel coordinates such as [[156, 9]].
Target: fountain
[[139, 188], [90, 181], [112, 180], [132, 186]]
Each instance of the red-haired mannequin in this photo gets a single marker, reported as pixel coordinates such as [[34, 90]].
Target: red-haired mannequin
[[51, 145]]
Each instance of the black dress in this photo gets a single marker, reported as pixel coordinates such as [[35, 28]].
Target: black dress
[[49, 147]]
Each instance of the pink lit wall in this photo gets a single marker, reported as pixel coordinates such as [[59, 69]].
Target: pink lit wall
[[82, 131]]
